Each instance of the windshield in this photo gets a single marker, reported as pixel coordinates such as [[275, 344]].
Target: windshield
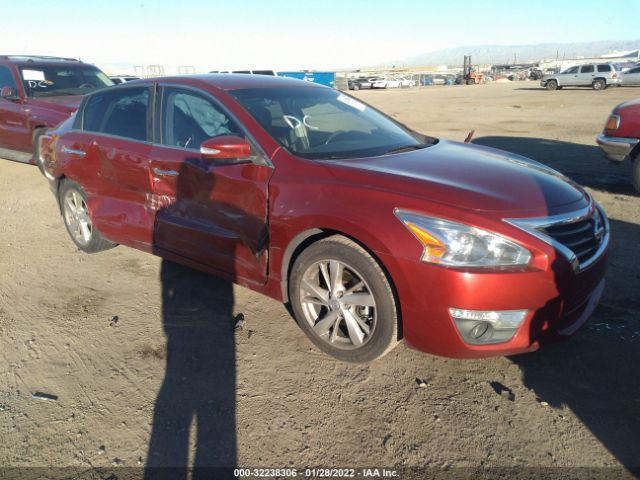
[[322, 123], [49, 81]]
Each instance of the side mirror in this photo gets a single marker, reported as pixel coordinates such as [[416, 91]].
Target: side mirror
[[9, 93], [225, 147]]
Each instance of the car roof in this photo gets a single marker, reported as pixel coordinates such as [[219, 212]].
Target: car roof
[[33, 60], [44, 63], [232, 81]]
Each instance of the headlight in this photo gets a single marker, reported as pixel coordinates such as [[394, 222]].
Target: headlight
[[458, 245]]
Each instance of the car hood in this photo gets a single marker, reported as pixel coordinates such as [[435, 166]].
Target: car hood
[[63, 103], [471, 177]]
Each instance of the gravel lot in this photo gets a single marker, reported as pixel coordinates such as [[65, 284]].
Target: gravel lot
[[92, 330]]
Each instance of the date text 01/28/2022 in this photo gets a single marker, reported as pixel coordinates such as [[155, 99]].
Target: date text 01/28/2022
[[315, 473]]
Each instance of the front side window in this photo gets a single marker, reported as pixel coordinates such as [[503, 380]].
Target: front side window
[[189, 119], [322, 123], [604, 68], [51, 81], [587, 69], [122, 112], [571, 70], [6, 78]]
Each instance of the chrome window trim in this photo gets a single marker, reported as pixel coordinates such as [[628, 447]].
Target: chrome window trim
[[533, 226]]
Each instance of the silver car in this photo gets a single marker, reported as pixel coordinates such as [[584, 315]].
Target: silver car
[[630, 77], [595, 75]]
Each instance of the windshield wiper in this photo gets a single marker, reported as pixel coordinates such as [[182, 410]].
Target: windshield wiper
[[407, 148]]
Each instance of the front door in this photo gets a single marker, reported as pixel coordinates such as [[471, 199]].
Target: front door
[[210, 212], [632, 77], [14, 126]]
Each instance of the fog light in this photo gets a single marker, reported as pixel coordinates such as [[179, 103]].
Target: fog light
[[487, 326]]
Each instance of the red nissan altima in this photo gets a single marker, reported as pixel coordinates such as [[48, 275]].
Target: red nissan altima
[[372, 232]]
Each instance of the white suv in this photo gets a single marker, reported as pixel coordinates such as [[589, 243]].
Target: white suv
[[595, 75]]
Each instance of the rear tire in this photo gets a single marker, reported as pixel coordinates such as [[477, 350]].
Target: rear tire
[[73, 206], [599, 84], [356, 86], [552, 85], [342, 300]]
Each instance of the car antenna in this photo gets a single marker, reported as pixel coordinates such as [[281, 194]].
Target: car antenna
[[469, 137]]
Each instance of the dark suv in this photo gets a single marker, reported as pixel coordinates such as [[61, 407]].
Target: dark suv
[[37, 93]]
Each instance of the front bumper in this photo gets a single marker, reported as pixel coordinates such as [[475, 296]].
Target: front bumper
[[558, 300], [616, 149]]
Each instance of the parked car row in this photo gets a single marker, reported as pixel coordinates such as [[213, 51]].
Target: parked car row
[[380, 82], [117, 79]]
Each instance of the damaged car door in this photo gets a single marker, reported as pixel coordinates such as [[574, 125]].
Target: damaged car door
[[210, 211]]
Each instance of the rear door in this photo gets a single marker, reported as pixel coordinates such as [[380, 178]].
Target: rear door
[[210, 212], [587, 75], [111, 149]]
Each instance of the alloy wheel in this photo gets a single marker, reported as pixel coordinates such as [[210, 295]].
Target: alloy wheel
[[338, 304], [76, 216]]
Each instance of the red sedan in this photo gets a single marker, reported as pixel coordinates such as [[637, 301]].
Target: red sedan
[[374, 233]]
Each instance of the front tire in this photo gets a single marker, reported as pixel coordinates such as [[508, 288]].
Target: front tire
[[73, 206], [342, 300], [35, 139], [552, 85]]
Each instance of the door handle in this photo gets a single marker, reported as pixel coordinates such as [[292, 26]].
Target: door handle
[[71, 151], [165, 173]]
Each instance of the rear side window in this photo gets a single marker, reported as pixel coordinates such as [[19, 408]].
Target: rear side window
[[604, 68], [6, 78], [120, 112], [587, 69]]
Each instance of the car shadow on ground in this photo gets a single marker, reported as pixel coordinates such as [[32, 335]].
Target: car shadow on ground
[[584, 164], [199, 388], [196, 406], [595, 374]]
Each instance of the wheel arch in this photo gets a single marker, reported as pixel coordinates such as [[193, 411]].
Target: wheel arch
[[308, 237]]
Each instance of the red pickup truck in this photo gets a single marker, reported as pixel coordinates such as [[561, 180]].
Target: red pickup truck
[[620, 139], [37, 93]]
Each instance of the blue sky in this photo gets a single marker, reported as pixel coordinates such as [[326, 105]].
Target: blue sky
[[286, 34]]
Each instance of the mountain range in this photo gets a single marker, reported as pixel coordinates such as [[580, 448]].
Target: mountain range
[[518, 53]]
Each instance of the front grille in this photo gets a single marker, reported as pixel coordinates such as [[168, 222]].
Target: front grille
[[583, 237]]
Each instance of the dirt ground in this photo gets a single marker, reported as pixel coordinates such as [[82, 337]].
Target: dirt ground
[[92, 330]]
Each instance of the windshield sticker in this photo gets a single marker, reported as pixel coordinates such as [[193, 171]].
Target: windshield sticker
[[39, 84], [351, 102], [37, 75]]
